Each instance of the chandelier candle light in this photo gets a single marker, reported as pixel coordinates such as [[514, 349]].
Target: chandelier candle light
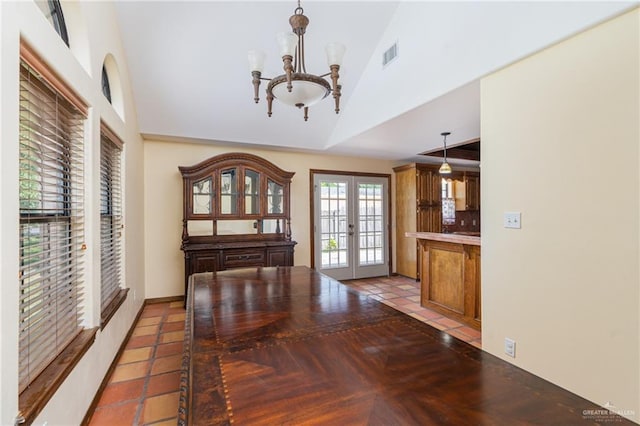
[[296, 87]]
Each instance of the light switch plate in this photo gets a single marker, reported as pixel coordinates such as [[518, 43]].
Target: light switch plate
[[512, 220]]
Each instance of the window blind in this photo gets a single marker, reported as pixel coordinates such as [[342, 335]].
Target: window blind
[[110, 219], [51, 192]]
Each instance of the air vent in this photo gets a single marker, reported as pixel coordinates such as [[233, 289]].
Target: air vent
[[390, 54]]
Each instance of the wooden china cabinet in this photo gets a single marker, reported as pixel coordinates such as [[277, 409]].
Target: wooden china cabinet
[[236, 214]]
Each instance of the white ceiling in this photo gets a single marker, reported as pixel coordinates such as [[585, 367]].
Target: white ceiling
[[188, 65]]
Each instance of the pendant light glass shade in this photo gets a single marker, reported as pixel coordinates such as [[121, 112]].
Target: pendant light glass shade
[[287, 42], [335, 53], [256, 60], [445, 168]]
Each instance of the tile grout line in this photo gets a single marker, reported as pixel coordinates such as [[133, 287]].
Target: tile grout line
[[162, 312], [152, 358], [136, 419], [388, 288]]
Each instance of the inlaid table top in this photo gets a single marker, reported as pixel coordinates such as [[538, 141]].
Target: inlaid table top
[[288, 345]]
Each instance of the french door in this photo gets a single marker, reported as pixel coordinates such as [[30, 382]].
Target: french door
[[351, 227]]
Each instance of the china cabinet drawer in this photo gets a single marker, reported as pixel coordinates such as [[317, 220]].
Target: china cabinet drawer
[[237, 259]]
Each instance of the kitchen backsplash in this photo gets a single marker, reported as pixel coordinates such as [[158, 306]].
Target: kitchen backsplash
[[466, 221]]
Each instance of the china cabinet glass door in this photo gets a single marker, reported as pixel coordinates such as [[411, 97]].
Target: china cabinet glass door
[[202, 197], [251, 192], [228, 192], [274, 198]]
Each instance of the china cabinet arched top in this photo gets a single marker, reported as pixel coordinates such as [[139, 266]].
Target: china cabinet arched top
[[236, 214], [236, 196]]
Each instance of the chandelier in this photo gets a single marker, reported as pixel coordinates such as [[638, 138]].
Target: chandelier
[[296, 87]]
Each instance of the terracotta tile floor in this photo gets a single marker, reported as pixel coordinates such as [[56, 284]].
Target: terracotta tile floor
[[403, 294], [144, 387]]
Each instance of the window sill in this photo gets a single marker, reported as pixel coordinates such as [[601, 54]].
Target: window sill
[[33, 399], [112, 307]]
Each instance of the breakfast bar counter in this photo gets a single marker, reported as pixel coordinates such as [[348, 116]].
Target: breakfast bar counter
[[450, 278]]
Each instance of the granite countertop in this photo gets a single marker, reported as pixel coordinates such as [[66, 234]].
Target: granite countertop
[[447, 238]]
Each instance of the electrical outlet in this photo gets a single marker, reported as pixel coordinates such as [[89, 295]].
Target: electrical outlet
[[474, 222], [462, 223], [512, 220], [510, 347]]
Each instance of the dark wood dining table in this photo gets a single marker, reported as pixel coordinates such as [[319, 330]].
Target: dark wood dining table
[[291, 346]]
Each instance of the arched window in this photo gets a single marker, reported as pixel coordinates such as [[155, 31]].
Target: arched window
[[111, 84], [53, 12], [106, 89]]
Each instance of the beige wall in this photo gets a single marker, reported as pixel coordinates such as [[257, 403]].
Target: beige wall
[[164, 263], [560, 138]]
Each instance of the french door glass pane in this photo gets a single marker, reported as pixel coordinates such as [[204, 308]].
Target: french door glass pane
[[333, 224], [370, 224]]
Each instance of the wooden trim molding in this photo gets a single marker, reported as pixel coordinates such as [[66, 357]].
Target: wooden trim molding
[[111, 135], [164, 300], [33, 399], [28, 55], [347, 173], [112, 307], [233, 159]]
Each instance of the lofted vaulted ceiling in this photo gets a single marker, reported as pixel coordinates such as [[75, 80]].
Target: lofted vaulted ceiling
[[188, 65]]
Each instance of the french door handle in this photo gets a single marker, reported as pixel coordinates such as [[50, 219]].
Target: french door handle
[[351, 229]]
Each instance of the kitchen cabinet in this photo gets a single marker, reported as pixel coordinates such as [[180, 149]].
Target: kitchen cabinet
[[472, 191], [466, 191], [451, 278], [418, 209]]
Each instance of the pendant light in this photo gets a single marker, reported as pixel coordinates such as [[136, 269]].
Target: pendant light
[[445, 168]]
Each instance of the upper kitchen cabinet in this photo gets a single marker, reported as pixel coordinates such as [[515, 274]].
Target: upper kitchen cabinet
[[466, 191], [463, 186], [418, 209]]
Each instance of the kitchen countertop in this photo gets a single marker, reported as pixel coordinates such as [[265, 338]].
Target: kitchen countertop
[[447, 238]]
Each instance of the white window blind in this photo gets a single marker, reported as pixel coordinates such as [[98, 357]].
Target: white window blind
[[110, 219], [51, 223]]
